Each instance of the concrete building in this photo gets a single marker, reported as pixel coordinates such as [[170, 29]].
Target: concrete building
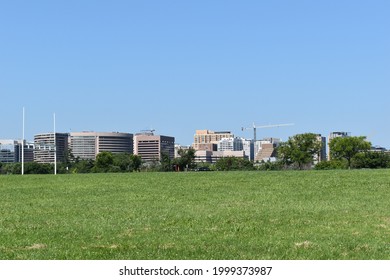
[[322, 154], [11, 151], [230, 144], [28, 151], [214, 156], [7, 151], [249, 148], [150, 146], [266, 149], [87, 145], [49, 145], [207, 140], [237, 144]]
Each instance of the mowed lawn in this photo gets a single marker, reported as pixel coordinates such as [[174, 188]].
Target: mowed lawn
[[197, 215]]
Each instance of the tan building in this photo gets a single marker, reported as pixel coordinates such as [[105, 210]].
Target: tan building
[[214, 156], [207, 140], [87, 145], [150, 146]]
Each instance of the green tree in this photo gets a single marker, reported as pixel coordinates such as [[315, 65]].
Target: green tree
[[38, 168], [136, 162], [348, 147], [122, 161], [185, 160], [166, 163], [103, 162], [83, 166], [233, 163], [299, 150], [371, 160], [331, 164]]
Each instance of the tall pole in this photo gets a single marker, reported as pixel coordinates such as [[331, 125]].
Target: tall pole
[[23, 145], [55, 146]]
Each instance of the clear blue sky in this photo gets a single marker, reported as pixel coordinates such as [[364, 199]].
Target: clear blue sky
[[178, 66]]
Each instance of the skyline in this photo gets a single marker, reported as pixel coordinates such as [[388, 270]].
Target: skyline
[[177, 67]]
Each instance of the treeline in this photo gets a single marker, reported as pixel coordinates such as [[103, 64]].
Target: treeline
[[106, 162]]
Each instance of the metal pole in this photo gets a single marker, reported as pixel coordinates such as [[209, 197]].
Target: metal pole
[[23, 145], [55, 146]]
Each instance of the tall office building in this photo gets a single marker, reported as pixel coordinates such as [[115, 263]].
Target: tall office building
[[207, 140], [230, 144], [87, 145], [150, 146], [11, 151], [322, 154], [28, 151], [49, 145]]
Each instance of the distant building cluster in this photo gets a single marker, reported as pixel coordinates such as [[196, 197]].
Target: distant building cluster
[[48, 147], [209, 146]]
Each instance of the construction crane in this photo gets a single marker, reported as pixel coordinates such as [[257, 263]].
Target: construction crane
[[254, 127]]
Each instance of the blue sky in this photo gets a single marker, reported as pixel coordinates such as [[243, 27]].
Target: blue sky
[[178, 66]]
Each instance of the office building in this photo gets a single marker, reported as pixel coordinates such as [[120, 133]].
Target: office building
[[230, 144], [50, 146], [150, 147], [207, 140], [87, 145], [214, 156], [322, 153], [7, 151], [28, 151], [11, 151], [249, 148], [265, 149]]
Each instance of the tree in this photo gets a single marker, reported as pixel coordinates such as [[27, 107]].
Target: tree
[[122, 161], [300, 149], [136, 162], [103, 162], [185, 160], [371, 160], [166, 163], [348, 147], [331, 164], [233, 163], [83, 166]]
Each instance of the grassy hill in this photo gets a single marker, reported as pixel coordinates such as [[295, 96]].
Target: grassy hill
[[199, 215]]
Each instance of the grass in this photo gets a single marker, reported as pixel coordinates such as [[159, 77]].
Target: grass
[[206, 215]]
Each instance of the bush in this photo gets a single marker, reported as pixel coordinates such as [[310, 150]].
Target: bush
[[331, 164], [371, 160], [233, 163], [270, 166]]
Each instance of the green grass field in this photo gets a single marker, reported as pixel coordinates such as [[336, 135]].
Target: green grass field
[[199, 215]]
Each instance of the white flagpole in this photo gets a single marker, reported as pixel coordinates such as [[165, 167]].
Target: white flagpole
[[23, 145], [55, 147]]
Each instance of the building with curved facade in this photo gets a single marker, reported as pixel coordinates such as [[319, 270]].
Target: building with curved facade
[[87, 145]]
